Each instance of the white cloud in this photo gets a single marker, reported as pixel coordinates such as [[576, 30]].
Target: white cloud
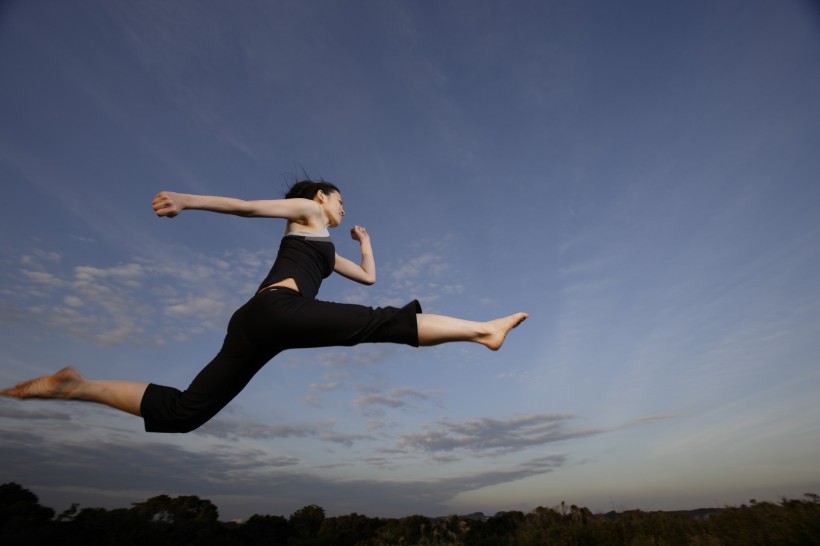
[[41, 277], [413, 268], [358, 295], [197, 305], [314, 401], [324, 386], [73, 301], [127, 272], [40, 255], [518, 377]]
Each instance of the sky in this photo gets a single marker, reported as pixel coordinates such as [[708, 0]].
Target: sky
[[641, 177]]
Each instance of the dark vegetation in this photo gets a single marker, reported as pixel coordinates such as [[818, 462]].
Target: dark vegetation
[[189, 520]]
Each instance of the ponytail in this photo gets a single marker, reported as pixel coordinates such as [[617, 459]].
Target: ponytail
[[307, 189]]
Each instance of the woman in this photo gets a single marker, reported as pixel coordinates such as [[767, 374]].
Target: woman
[[283, 314]]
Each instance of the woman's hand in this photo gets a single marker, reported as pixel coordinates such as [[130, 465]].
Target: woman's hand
[[358, 233], [167, 203]]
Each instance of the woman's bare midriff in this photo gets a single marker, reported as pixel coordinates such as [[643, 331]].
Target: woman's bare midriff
[[287, 283]]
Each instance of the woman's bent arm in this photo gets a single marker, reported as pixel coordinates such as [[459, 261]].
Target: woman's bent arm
[[170, 204], [364, 273]]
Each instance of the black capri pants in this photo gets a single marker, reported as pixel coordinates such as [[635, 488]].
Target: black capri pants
[[271, 322]]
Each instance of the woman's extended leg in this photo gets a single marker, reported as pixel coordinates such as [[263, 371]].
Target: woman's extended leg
[[435, 329], [127, 396], [68, 384]]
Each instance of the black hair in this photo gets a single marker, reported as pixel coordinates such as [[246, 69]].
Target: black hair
[[307, 189]]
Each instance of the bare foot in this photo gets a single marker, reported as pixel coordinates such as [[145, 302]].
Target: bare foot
[[57, 385], [498, 330]]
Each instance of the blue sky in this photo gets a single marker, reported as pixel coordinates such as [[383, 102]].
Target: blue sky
[[641, 177]]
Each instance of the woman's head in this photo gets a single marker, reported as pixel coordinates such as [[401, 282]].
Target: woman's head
[[326, 194], [307, 189]]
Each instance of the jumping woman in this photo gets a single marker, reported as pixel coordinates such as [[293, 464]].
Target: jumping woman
[[283, 314]]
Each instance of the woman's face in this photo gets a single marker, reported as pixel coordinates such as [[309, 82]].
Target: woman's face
[[333, 206]]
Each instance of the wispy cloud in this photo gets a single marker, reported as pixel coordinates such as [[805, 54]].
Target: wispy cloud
[[356, 357], [324, 431], [324, 386], [223, 427], [124, 303], [413, 268], [518, 377], [426, 273], [109, 467], [197, 305], [346, 440], [372, 403], [484, 433], [488, 436], [15, 411], [41, 255], [255, 466]]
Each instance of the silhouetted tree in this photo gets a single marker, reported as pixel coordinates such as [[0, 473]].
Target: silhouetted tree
[[189, 520], [407, 531], [99, 526], [265, 531], [163, 508], [505, 523], [763, 523], [305, 524], [348, 530], [185, 519], [20, 511]]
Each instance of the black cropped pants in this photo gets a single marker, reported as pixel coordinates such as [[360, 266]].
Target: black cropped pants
[[271, 322]]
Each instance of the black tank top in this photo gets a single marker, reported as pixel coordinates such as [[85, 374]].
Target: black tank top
[[306, 259]]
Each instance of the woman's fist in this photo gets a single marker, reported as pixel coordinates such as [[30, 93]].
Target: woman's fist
[[167, 204], [358, 233]]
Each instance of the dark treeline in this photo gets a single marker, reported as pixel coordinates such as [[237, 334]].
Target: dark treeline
[[189, 520]]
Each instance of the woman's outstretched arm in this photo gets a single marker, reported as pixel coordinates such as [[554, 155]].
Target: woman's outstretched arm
[[364, 273], [170, 204]]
